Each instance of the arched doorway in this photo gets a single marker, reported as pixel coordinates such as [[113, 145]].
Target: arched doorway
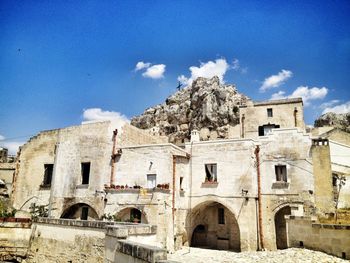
[[80, 211], [214, 226], [280, 227], [131, 214]]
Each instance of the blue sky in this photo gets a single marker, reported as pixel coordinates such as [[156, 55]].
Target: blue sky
[[61, 58]]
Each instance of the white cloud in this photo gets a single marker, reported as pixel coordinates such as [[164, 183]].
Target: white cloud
[[304, 92], [279, 95], [2, 137], [155, 71], [12, 146], [96, 114], [207, 70], [141, 65], [329, 104], [275, 81], [341, 108], [235, 64]]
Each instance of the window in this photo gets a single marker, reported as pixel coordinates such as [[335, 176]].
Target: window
[[210, 172], [181, 180], [85, 173], [281, 173], [135, 215], [84, 213], [221, 216], [47, 174], [266, 129], [151, 180], [269, 112]]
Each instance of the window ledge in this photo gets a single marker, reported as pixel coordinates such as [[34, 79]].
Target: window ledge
[[45, 187], [210, 184], [280, 185], [82, 186]]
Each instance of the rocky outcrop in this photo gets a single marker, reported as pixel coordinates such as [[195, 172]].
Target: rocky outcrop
[[207, 106], [341, 121]]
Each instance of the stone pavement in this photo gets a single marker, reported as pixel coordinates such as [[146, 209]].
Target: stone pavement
[[291, 255]]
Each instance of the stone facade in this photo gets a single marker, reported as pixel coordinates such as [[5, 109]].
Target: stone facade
[[230, 193]]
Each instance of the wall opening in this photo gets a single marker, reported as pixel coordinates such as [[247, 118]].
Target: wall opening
[[266, 129], [210, 172], [214, 226], [280, 227], [85, 173], [131, 214], [80, 211], [47, 174]]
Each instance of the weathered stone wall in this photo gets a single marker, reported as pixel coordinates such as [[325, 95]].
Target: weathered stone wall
[[255, 115], [6, 175], [14, 240], [332, 239], [39, 150], [324, 199]]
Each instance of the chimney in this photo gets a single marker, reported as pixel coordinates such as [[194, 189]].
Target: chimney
[[195, 136]]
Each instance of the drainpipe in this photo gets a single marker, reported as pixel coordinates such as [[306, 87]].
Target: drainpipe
[[243, 119], [174, 188], [261, 235], [295, 117], [115, 133]]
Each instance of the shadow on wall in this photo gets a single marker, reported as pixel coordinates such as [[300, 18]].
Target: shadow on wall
[[80, 211]]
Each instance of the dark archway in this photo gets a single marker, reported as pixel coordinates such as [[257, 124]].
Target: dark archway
[[131, 214], [280, 227], [80, 211], [214, 226]]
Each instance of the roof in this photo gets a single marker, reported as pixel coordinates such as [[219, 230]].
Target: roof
[[276, 102]]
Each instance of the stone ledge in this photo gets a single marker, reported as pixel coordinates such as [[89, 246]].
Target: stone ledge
[[141, 251], [210, 184], [123, 232]]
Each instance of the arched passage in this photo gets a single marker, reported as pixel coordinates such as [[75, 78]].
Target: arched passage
[[214, 226], [280, 227], [80, 211], [131, 214]]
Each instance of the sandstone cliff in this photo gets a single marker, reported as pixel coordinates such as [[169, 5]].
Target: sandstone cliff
[[207, 105], [341, 121]]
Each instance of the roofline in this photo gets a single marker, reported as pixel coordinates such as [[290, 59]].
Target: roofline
[[276, 102]]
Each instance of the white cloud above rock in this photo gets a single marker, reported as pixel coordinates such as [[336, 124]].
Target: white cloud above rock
[[275, 81], [209, 69], [304, 92], [155, 71], [151, 71], [339, 109], [97, 114]]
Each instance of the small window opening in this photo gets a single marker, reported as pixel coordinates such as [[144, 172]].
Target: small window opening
[[281, 173], [269, 112], [85, 172], [48, 174], [221, 216], [181, 180], [301, 244], [334, 180], [210, 172], [84, 213], [343, 255], [151, 180], [135, 215]]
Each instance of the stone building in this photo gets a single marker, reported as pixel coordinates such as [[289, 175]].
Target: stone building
[[7, 169], [222, 193]]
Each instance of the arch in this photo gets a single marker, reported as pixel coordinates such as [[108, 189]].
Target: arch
[[212, 225], [80, 211], [280, 226], [132, 214]]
